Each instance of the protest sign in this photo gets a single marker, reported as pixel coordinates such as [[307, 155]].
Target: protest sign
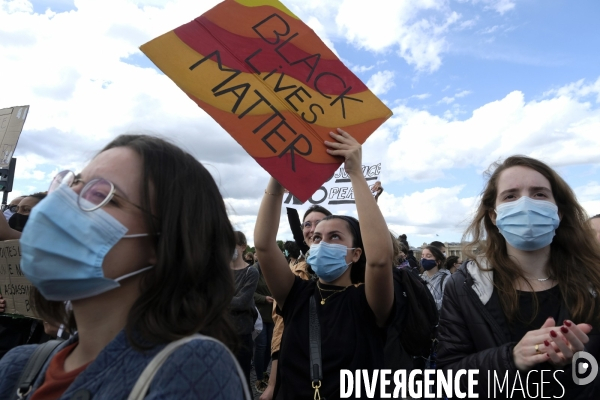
[[336, 193], [272, 84], [14, 287], [11, 124]]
